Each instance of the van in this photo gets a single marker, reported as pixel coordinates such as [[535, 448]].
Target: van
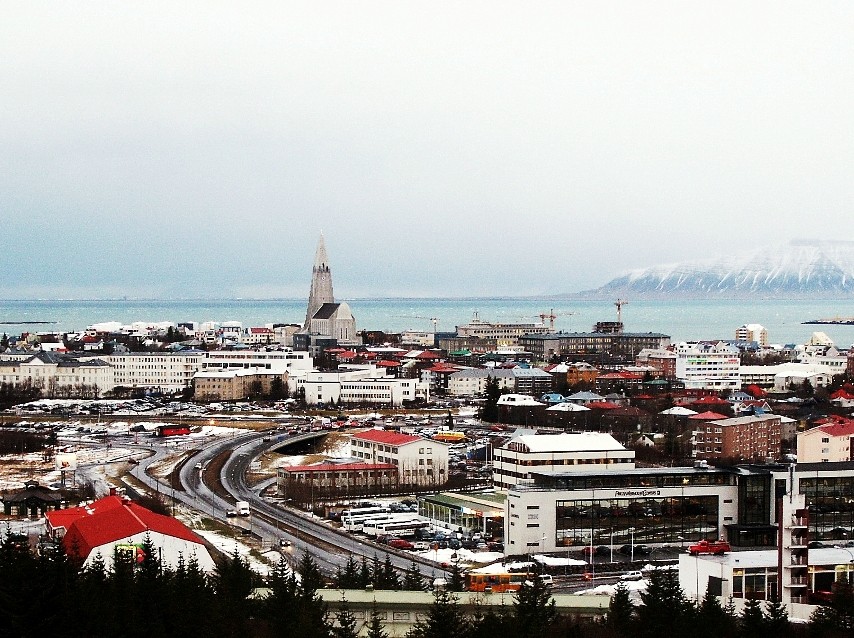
[[633, 575], [547, 579]]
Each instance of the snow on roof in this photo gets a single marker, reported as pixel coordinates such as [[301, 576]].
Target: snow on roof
[[517, 399], [387, 438], [569, 442]]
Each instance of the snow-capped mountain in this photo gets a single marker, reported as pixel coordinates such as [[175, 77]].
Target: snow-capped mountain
[[801, 269]]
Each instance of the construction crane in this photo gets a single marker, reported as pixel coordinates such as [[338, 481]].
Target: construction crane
[[620, 303], [434, 320], [551, 316]]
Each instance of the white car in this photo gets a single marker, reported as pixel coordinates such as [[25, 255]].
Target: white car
[[635, 575]]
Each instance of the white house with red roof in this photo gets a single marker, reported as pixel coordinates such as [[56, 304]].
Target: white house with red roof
[[418, 460], [118, 524], [830, 442]]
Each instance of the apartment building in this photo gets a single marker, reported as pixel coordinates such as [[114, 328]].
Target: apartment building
[[418, 461], [752, 332], [574, 344], [745, 438], [357, 385], [60, 375], [708, 366], [165, 372], [234, 385], [828, 443]]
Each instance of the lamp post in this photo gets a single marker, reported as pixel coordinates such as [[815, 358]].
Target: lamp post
[[632, 546]]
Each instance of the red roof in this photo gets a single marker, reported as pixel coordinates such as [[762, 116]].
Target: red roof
[[621, 374], [711, 400], [708, 416], [338, 467], [111, 519], [428, 355], [388, 364], [348, 354], [603, 405], [839, 429], [386, 437], [258, 331], [841, 394]]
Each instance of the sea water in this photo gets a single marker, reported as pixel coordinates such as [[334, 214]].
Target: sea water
[[682, 320]]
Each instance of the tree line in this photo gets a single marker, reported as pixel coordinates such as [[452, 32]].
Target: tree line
[[46, 593]]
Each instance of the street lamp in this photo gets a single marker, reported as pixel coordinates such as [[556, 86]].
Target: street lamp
[[632, 546]]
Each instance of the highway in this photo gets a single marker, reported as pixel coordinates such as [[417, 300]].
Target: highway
[[268, 522]]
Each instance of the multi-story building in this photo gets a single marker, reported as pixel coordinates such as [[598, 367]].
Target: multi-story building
[[156, 371], [234, 385], [60, 375], [674, 506], [745, 438], [336, 477], [418, 461], [549, 453], [752, 332], [357, 385], [664, 360], [281, 361], [505, 335], [708, 366], [829, 443], [786, 376], [576, 344]]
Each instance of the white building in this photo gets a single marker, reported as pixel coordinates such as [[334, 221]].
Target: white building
[[113, 524], [355, 385], [472, 381], [752, 332], [785, 376], [708, 366], [275, 361], [156, 371], [59, 375], [418, 460], [505, 334], [828, 443], [550, 453]]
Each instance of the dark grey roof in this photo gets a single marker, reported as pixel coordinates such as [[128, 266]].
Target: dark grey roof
[[326, 311]]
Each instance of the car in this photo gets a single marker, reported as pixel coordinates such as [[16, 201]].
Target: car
[[632, 575], [284, 542], [400, 543], [231, 513]]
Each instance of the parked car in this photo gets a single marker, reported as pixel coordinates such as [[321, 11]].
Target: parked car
[[633, 575], [400, 543]]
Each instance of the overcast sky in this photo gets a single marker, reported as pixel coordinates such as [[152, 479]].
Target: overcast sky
[[443, 148]]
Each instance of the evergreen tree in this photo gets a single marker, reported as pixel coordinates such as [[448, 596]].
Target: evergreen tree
[[310, 577], [456, 580], [836, 618], [444, 619], [665, 610], [533, 609], [364, 573], [233, 581], [714, 620], [752, 622], [777, 620], [413, 580], [389, 577], [489, 411], [375, 624], [346, 626], [621, 611]]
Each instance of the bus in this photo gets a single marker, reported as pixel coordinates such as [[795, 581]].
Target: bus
[[357, 511], [357, 523], [401, 529], [374, 527], [498, 582]]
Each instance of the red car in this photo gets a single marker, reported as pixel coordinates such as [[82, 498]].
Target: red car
[[400, 543], [709, 547]]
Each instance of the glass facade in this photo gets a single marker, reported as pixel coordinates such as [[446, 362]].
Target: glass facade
[[759, 583], [831, 505], [672, 520], [617, 480]]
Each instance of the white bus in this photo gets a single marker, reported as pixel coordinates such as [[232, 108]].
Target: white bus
[[375, 528], [356, 523], [402, 529]]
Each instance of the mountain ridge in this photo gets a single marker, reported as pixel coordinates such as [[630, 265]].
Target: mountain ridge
[[803, 269]]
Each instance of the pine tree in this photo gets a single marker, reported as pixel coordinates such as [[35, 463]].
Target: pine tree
[[444, 619], [621, 612], [752, 622], [413, 580], [389, 578], [533, 609], [665, 610], [456, 580], [347, 626], [375, 624], [714, 620], [777, 620], [364, 573]]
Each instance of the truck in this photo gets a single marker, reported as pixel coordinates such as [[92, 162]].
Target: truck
[[242, 508], [709, 547]]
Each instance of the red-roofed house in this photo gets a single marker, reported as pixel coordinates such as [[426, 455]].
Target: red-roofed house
[[113, 523], [828, 443], [418, 461]]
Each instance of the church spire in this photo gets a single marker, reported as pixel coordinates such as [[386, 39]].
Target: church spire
[[321, 283]]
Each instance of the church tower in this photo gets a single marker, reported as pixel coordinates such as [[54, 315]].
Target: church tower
[[321, 284]]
